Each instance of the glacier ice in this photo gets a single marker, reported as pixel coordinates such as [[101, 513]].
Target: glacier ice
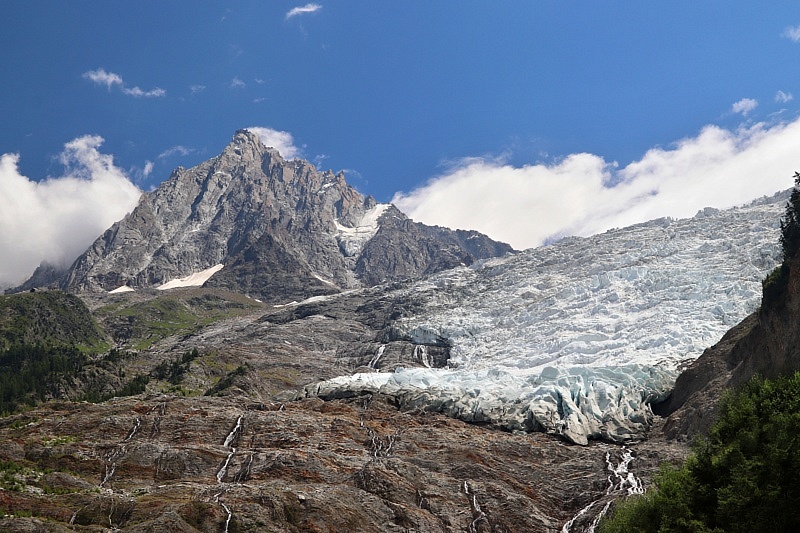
[[578, 337]]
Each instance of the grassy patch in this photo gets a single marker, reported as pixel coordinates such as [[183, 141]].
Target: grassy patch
[[182, 312], [227, 381]]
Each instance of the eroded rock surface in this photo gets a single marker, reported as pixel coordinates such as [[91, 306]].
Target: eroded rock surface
[[156, 462]]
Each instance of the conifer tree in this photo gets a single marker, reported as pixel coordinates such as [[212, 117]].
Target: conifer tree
[[790, 224]]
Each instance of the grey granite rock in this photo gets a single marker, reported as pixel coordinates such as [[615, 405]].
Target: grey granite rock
[[282, 229]]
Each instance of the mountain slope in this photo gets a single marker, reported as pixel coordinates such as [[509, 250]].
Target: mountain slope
[[50, 318], [282, 230]]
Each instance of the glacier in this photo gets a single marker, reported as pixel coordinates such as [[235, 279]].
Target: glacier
[[577, 338]]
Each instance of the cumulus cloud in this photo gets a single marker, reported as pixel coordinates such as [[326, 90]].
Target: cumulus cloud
[[783, 97], [744, 106], [583, 194], [792, 33], [236, 83], [303, 10], [282, 141], [56, 219], [110, 79], [101, 77]]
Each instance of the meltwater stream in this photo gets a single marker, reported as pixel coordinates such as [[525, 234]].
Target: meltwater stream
[[621, 481], [230, 441]]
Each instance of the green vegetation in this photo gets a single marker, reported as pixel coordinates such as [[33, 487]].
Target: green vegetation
[[49, 318], [29, 374], [135, 386], [20, 478], [142, 323], [743, 477], [51, 346], [174, 371], [10, 474], [775, 285], [227, 381]]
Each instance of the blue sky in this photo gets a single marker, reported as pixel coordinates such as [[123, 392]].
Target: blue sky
[[525, 120]]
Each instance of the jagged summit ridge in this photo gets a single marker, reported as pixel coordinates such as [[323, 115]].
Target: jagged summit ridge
[[282, 229]]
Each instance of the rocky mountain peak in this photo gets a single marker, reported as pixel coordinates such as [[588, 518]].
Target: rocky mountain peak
[[282, 230]]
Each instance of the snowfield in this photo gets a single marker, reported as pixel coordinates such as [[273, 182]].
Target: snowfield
[[352, 240], [121, 289], [193, 280], [578, 337]]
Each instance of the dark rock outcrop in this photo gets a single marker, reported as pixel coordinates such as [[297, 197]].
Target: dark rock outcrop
[[402, 248], [46, 274]]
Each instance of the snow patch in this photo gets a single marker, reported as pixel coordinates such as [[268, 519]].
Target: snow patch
[[325, 281], [352, 240], [192, 280], [123, 288]]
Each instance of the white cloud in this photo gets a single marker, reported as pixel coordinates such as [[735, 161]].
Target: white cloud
[[792, 33], [280, 140], [303, 10], [110, 79], [783, 97], [136, 92], [744, 106], [175, 150], [148, 168], [583, 194], [56, 219], [101, 77], [236, 83], [197, 88]]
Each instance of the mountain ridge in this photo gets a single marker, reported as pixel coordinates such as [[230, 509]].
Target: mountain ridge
[[282, 229]]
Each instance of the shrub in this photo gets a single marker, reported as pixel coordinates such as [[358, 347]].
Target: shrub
[[743, 477]]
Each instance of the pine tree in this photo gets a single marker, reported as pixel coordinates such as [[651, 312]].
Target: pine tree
[[790, 224]]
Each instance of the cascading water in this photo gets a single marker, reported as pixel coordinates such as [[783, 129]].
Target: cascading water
[[377, 356], [620, 480]]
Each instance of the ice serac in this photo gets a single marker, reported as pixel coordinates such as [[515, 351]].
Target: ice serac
[[580, 337], [282, 229]]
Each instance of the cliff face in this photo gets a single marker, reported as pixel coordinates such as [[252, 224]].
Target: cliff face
[[282, 230]]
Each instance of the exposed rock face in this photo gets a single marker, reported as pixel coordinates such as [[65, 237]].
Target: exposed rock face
[[402, 248], [167, 463], [282, 229]]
